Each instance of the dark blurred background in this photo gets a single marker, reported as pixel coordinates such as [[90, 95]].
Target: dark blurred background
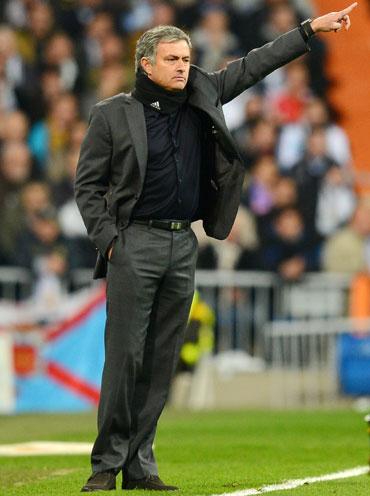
[[58, 58]]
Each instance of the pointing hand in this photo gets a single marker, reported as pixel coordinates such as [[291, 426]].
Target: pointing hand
[[334, 21]]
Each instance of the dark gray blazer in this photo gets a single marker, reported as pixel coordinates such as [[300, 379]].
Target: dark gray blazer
[[113, 158]]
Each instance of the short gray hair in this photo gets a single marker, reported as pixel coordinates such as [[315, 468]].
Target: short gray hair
[[147, 44]]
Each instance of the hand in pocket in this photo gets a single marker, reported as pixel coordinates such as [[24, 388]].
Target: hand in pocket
[[110, 251]]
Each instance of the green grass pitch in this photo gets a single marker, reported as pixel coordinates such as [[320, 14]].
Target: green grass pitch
[[204, 453]]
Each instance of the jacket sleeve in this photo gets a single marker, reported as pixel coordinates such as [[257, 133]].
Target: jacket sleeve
[[92, 181], [258, 63]]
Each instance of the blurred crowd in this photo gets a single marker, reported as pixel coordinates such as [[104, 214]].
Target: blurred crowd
[[59, 57]]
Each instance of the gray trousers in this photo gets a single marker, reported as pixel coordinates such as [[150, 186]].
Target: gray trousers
[[150, 285]]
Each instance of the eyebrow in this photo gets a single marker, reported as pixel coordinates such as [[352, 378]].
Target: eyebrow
[[178, 56]]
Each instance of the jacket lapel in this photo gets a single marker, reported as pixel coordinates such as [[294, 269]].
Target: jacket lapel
[[136, 123], [201, 100]]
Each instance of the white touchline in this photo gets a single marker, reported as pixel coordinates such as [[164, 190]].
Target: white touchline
[[292, 484], [45, 448]]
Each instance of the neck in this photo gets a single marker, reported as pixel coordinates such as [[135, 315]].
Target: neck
[[149, 92]]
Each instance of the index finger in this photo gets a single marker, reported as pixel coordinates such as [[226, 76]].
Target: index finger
[[348, 9]]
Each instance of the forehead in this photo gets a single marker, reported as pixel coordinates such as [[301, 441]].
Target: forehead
[[179, 48]]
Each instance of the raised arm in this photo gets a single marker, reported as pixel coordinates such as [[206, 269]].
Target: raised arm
[[244, 72], [258, 63]]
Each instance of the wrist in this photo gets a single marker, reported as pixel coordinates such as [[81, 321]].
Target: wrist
[[314, 26], [306, 29]]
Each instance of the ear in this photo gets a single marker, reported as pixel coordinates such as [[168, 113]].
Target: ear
[[146, 65]]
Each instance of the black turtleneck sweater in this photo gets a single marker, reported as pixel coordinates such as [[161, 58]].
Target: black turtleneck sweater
[[171, 185]]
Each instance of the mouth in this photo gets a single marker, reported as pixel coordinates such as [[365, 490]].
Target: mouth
[[179, 78]]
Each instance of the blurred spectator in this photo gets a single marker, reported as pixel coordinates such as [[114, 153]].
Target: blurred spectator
[[59, 53], [291, 250], [139, 16], [238, 251], [73, 16], [243, 239], [21, 86], [14, 127], [264, 19], [15, 171], [15, 168], [112, 49], [49, 138], [8, 100], [77, 135], [309, 174], [285, 193], [43, 250], [63, 189], [260, 193], [35, 196], [212, 39], [40, 241], [336, 202], [112, 81], [266, 193], [14, 12], [99, 27], [163, 14], [260, 139], [111, 75], [348, 249], [281, 17], [250, 111], [291, 144], [288, 105], [38, 98], [14, 65], [32, 40]]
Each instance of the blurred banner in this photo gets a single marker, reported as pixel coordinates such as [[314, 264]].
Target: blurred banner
[[58, 356]]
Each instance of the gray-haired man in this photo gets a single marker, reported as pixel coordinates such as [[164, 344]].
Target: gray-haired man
[[151, 163]]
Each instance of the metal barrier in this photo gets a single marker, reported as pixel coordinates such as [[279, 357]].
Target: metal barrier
[[304, 360], [244, 302], [15, 283], [292, 326]]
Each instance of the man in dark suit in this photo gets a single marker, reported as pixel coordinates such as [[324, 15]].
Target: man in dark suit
[[151, 163]]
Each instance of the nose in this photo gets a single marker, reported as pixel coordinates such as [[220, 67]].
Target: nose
[[180, 66]]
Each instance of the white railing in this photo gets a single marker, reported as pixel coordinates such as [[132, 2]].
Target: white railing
[[303, 358], [244, 302]]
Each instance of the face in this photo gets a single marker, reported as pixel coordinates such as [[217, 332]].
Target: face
[[171, 67], [289, 225]]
